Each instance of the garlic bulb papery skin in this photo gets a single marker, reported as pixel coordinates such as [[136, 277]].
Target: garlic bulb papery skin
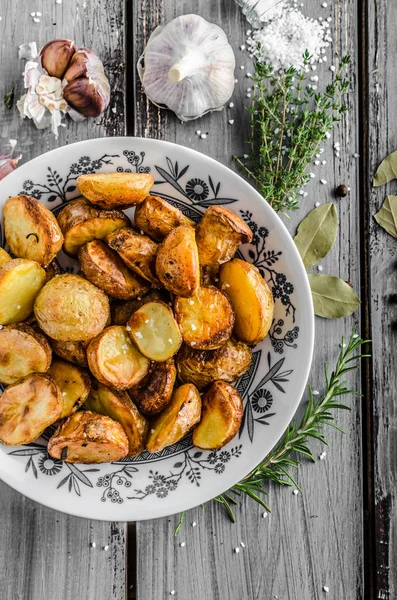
[[188, 67]]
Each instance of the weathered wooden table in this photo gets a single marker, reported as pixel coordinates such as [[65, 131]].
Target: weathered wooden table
[[342, 531]]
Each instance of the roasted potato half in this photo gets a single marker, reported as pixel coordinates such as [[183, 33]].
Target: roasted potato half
[[20, 282], [251, 298], [202, 367], [115, 361], [122, 311], [27, 408], [23, 350], [69, 308], [156, 394], [88, 438], [157, 218], [105, 269], [219, 234], [206, 320], [74, 352], [222, 412], [82, 222], [155, 331], [118, 406], [181, 414], [137, 251], [4, 257], [112, 190], [74, 383], [31, 230], [177, 263]]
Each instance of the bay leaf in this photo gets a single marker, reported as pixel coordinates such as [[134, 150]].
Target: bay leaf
[[387, 216], [332, 297], [316, 234], [387, 170]]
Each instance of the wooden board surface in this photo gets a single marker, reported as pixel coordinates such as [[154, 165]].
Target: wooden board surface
[[45, 555], [310, 540]]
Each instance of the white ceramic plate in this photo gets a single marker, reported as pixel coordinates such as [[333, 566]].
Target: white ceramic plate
[[181, 476]]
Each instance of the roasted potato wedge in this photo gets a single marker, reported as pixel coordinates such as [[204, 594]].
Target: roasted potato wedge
[[205, 320], [20, 282], [181, 414], [115, 361], [251, 298], [137, 251], [69, 308], [88, 438], [156, 394], [27, 408], [74, 352], [222, 412], [23, 350], [219, 234], [74, 383], [177, 263], [105, 269], [122, 311], [202, 367], [112, 190], [82, 222], [155, 331], [118, 406], [4, 257], [31, 230], [157, 218]]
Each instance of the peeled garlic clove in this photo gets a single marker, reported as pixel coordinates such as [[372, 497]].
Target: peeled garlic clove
[[87, 97], [56, 55], [78, 65], [188, 67]]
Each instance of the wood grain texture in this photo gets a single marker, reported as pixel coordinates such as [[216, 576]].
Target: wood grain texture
[[310, 540], [382, 138], [45, 554]]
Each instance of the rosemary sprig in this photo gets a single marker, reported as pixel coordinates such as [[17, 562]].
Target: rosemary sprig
[[294, 444], [9, 98], [288, 123]]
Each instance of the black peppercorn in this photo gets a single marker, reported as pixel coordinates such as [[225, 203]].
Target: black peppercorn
[[342, 191]]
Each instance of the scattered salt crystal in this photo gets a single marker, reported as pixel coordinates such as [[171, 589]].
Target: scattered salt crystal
[[36, 20], [249, 89], [139, 335], [93, 545], [139, 298], [245, 156], [355, 336], [172, 592], [322, 455], [169, 340], [58, 1], [191, 301], [242, 544], [356, 155], [182, 544], [249, 74], [106, 548], [326, 589], [237, 550], [248, 95], [312, 175], [324, 162], [18, 306], [323, 181], [198, 131], [193, 326], [329, 19], [342, 345], [249, 32], [321, 150], [324, 5], [194, 524], [32, 14], [192, 343], [63, 393], [295, 492], [242, 67], [231, 121], [231, 104], [236, 81], [114, 110], [146, 320], [38, 14], [128, 328], [316, 162], [242, 47], [1, 326], [203, 136], [316, 393], [264, 516], [319, 268]]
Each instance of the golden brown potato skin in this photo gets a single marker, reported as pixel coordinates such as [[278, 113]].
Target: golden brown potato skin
[[82, 222], [69, 308], [137, 251], [4, 257], [219, 234], [74, 383], [27, 407], [122, 311], [105, 269], [157, 218], [74, 352], [177, 263], [251, 298], [113, 190], [222, 413], [206, 320], [118, 406], [23, 350], [31, 230], [156, 394], [20, 282], [181, 414], [86, 438], [202, 367]]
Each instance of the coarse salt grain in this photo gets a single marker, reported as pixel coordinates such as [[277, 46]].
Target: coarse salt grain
[[93, 545], [36, 20], [128, 328], [231, 121], [323, 181], [58, 1], [245, 156], [106, 548], [231, 104], [1, 326], [248, 95], [172, 592], [146, 320], [316, 162], [355, 336], [319, 268], [322, 455], [242, 67], [324, 5], [169, 340], [242, 47], [198, 131], [264, 516], [192, 343], [316, 393], [323, 162], [194, 524], [326, 589], [139, 335], [242, 544], [203, 136], [295, 492], [182, 544], [193, 326], [237, 550]]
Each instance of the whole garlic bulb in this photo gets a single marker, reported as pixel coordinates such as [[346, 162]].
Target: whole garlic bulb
[[188, 67]]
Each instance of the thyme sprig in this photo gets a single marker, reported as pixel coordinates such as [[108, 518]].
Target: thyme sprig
[[294, 445], [288, 123]]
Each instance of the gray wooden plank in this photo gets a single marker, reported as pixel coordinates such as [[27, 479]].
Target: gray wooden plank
[[310, 540], [382, 90], [45, 554]]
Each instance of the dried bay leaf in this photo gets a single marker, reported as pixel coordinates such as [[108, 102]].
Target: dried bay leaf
[[332, 297], [316, 234], [387, 216], [387, 170]]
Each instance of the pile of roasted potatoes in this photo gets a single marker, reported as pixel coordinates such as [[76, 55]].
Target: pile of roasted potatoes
[[140, 348]]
